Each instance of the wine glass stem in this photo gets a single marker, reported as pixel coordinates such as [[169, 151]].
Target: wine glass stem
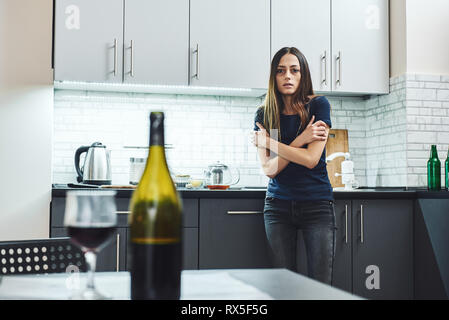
[[91, 260]]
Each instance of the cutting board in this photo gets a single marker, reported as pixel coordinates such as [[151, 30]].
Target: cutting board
[[336, 142]]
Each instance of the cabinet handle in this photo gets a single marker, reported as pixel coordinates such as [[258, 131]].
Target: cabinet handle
[[197, 51], [244, 212], [361, 223], [338, 81], [132, 59], [346, 223], [118, 251], [324, 57], [123, 212], [115, 57]]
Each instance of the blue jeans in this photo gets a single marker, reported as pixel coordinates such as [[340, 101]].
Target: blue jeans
[[283, 218]]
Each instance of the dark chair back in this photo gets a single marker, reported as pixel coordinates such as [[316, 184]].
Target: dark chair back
[[40, 256]]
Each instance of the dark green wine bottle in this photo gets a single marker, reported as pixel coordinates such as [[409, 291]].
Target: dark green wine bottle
[[433, 170], [447, 172], [155, 245]]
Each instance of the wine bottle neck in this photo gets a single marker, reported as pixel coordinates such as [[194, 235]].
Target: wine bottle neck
[[156, 153], [157, 133]]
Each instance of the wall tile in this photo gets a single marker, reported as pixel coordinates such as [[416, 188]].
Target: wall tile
[[442, 95], [421, 94], [201, 129], [388, 134]]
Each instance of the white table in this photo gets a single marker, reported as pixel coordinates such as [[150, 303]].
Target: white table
[[219, 284]]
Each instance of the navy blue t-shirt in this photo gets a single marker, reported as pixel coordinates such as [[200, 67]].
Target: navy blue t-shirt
[[297, 182]]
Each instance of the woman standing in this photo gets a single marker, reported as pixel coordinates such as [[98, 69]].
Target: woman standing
[[299, 194]]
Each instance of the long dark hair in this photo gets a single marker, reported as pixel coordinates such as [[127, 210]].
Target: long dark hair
[[274, 104]]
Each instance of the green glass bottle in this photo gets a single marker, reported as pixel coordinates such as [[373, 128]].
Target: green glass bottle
[[433, 170], [447, 171], [155, 239]]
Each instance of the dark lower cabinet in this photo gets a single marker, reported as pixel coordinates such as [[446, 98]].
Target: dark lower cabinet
[[232, 234], [431, 249], [112, 257], [373, 248], [190, 248], [382, 248]]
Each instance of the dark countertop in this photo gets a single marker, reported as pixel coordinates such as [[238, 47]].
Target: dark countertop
[[59, 190]]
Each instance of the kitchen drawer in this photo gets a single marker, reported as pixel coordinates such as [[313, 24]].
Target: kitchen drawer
[[58, 208], [232, 234], [190, 212]]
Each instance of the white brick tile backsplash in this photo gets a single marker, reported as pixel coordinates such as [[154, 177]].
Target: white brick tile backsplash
[[442, 95], [411, 119], [428, 77], [387, 133], [439, 112], [413, 103], [420, 136], [443, 137], [421, 94], [436, 85], [414, 84], [417, 154]]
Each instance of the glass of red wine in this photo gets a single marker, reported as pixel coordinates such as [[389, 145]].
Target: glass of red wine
[[91, 219]]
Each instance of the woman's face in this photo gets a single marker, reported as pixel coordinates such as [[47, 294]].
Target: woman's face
[[288, 74]]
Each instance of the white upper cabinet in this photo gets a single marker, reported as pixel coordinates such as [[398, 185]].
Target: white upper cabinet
[[345, 42], [88, 40], [230, 43], [360, 50], [156, 42], [306, 25], [222, 44]]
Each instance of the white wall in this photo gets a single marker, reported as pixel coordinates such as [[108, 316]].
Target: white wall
[[26, 117], [419, 37], [398, 37], [428, 37]]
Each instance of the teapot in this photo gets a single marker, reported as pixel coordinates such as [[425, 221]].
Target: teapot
[[220, 176]]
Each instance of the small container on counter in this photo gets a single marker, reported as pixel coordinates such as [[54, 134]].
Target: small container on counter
[[181, 180], [196, 183], [136, 168]]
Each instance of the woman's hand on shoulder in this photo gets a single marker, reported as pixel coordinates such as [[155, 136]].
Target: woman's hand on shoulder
[[261, 138], [317, 131]]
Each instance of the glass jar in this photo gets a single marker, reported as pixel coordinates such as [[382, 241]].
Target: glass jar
[[136, 168]]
